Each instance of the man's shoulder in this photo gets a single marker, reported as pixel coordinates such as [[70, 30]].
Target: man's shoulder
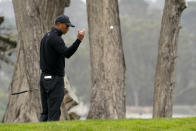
[[50, 36], [53, 38]]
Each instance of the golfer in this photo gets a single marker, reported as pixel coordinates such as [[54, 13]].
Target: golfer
[[53, 52]]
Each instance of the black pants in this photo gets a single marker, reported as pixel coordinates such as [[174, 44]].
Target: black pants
[[52, 94]]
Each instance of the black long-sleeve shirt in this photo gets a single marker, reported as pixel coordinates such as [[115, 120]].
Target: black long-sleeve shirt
[[53, 52]]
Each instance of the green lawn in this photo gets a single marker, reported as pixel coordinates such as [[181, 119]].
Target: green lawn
[[175, 124]]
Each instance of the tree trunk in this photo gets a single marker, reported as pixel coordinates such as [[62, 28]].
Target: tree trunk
[[107, 60], [33, 19], [166, 62]]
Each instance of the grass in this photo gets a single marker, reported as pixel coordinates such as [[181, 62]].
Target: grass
[[163, 124]]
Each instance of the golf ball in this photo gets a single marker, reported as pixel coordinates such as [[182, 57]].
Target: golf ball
[[111, 27]]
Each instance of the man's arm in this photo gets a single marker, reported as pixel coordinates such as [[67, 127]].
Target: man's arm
[[68, 52], [61, 48], [72, 49]]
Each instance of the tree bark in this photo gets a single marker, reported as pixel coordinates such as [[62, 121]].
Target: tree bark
[[33, 19], [166, 62], [107, 60]]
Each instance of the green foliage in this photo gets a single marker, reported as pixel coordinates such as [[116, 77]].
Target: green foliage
[[8, 43], [1, 20], [182, 124]]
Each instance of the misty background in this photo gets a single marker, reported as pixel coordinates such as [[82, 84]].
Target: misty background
[[140, 26]]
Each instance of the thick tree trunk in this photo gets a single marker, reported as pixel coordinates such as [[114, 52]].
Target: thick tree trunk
[[107, 60], [166, 62], [33, 19]]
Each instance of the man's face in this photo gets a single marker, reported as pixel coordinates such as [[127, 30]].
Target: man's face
[[64, 28]]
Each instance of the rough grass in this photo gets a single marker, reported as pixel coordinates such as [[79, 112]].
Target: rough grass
[[164, 124]]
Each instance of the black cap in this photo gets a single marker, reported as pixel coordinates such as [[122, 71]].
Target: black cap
[[64, 19]]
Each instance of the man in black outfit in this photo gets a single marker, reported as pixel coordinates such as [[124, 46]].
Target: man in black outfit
[[53, 52]]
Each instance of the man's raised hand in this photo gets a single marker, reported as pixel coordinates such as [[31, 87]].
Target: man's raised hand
[[81, 34]]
